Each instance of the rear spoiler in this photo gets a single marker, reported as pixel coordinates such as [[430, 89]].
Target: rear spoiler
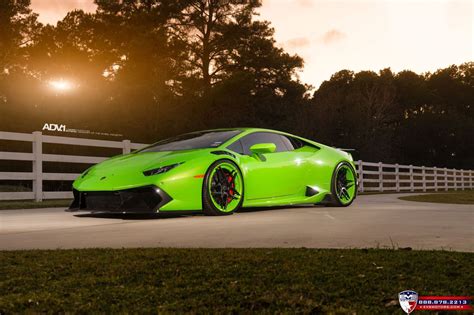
[[347, 150]]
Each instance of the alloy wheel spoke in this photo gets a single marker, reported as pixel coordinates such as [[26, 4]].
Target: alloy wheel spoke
[[220, 176], [346, 194], [339, 194], [345, 181], [223, 187]]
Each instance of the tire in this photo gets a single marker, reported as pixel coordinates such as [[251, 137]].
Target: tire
[[222, 189], [343, 195]]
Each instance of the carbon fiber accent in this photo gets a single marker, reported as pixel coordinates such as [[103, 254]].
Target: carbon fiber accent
[[136, 200], [222, 152], [310, 191]]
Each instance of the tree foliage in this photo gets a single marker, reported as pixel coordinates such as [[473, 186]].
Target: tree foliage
[[151, 68], [404, 117]]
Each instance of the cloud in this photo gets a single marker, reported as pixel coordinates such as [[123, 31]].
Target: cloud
[[50, 11], [298, 42], [305, 3], [63, 4], [333, 36]]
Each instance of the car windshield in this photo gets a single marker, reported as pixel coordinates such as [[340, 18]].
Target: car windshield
[[194, 140]]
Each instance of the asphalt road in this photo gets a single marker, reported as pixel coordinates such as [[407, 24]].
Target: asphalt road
[[372, 221]]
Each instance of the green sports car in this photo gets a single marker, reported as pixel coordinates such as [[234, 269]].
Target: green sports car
[[217, 172]]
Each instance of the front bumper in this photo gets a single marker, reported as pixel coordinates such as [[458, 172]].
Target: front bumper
[[148, 199]]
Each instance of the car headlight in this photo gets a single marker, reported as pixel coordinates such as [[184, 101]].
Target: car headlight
[[161, 170]]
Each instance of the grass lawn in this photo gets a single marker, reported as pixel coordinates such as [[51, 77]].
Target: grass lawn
[[458, 197], [30, 204], [226, 280]]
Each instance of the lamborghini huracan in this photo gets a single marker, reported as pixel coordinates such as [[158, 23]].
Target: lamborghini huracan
[[218, 172]]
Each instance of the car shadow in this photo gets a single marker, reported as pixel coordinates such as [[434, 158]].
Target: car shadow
[[135, 216], [174, 215], [273, 208]]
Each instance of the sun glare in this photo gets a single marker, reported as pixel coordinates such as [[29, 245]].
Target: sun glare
[[60, 85]]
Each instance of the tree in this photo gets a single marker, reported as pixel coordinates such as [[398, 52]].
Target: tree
[[222, 39], [152, 68], [358, 110], [436, 127], [145, 65], [202, 27], [18, 29], [406, 117]]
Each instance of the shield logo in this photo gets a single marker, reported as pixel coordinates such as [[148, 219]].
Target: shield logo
[[408, 300]]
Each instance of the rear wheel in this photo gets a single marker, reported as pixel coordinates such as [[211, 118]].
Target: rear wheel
[[222, 191], [343, 185]]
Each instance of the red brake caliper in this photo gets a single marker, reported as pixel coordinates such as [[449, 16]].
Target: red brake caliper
[[231, 190]]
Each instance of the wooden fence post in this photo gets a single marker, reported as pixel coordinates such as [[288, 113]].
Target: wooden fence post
[[397, 177], [445, 179], [423, 178], [126, 146], [361, 176], [462, 179], [380, 177], [38, 165], [471, 179], [435, 173], [412, 186], [455, 173]]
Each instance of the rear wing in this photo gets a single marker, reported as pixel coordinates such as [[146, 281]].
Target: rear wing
[[347, 150]]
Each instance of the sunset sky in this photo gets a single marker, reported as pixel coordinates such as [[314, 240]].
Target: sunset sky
[[420, 35]]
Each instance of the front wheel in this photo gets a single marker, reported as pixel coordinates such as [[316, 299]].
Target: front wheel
[[223, 188], [343, 185]]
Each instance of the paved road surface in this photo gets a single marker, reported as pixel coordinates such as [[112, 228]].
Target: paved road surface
[[372, 221]]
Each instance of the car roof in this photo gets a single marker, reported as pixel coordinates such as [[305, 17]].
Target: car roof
[[247, 130], [243, 129]]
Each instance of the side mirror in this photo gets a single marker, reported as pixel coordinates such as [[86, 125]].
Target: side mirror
[[262, 148]]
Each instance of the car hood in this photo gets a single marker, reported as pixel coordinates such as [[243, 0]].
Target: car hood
[[126, 171], [145, 161]]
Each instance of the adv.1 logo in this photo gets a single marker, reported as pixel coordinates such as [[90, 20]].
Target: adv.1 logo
[[54, 127]]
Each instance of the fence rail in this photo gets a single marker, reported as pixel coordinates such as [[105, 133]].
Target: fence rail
[[373, 177], [37, 176], [381, 177]]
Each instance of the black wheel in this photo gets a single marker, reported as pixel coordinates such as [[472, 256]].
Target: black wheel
[[223, 188], [343, 185]]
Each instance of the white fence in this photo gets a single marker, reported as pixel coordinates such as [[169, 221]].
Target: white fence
[[380, 177], [37, 158], [372, 176]]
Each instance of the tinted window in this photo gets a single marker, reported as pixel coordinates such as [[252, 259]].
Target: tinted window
[[263, 137], [236, 147], [194, 140], [292, 143]]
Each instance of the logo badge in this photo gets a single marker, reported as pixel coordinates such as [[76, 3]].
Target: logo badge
[[408, 300], [54, 127]]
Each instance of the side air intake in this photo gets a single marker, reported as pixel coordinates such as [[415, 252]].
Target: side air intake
[[310, 191]]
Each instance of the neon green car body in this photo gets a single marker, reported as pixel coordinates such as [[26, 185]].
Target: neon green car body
[[269, 179]]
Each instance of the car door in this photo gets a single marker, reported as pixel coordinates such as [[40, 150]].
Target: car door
[[274, 175]]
